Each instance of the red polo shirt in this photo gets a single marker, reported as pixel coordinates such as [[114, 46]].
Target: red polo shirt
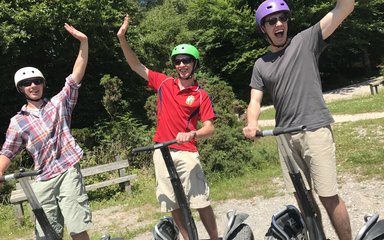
[[178, 110]]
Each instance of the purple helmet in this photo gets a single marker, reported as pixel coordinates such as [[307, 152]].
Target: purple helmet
[[268, 7]]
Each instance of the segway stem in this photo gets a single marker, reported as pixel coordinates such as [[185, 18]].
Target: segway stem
[[176, 184]]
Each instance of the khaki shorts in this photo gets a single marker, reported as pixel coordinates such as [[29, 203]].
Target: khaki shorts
[[314, 153], [63, 198], [192, 178]]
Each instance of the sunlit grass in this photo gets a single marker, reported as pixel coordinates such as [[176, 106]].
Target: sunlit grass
[[360, 147], [359, 104]]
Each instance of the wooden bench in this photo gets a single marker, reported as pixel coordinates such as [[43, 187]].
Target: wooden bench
[[374, 85], [124, 180]]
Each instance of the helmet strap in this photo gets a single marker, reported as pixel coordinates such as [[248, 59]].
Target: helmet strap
[[273, 44], [34, 100], [270, 40], [192, 72]]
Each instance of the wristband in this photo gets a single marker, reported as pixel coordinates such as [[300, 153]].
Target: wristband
[[194, 134]]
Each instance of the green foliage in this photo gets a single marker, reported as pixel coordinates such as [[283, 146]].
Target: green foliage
[[119, 137], [223, 31], [112, 99], [158, 33], [151, 109]]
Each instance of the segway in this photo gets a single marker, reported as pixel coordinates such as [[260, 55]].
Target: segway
[[41, 217], [289, 223], [176, 184], [311, 222], [166, 229], [372, 229]]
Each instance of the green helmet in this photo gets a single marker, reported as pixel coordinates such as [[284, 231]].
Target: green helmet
[[185, 49]]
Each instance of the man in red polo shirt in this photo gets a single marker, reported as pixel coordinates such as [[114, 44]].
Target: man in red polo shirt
[[181, 103]]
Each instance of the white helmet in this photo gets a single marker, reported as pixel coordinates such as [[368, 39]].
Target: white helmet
[[26, 73]]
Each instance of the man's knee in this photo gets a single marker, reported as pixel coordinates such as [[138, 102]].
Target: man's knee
[[331, 202], [81, 236]]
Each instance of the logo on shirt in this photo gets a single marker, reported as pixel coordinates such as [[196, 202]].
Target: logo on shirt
[[190, 100]]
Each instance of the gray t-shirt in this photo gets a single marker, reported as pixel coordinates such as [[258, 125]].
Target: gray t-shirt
[[292, 78]]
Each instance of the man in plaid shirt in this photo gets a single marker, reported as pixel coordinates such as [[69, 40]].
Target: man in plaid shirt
[[42, 127]]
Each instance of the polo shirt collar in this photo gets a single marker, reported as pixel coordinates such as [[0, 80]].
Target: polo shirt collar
[[193, 87]]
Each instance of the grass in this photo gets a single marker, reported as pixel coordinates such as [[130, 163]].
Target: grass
[[360, 147], [356, 105], [359, 151]]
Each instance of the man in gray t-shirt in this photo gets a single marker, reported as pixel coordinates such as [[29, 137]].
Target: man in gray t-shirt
[[289, 72]]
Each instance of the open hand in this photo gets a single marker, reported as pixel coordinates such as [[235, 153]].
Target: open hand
[[75, 33], [124, 27]]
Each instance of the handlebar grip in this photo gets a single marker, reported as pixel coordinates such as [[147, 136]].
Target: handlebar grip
[[153, 147], [277, 131], [20, 174]]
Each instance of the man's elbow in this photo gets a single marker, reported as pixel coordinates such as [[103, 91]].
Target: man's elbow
[[211, 131], [351, 7], [348, 8]]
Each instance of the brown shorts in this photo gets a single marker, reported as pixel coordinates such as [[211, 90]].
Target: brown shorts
[[191, 175], [315, 154]]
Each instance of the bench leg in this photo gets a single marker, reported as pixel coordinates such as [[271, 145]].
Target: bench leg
[[19, 213], [377, 89], [126, 187]]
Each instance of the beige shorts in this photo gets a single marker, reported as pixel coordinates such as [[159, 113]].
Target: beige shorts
[[315, 154], [192, 178], [63, 198]]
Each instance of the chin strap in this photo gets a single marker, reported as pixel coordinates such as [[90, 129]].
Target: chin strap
[[192, 72], [35, 100], [271, 42]]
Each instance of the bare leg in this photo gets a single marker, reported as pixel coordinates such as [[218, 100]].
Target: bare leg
[[338, 215], [209, 221], [178, 217], [81, 236], [315, 205]]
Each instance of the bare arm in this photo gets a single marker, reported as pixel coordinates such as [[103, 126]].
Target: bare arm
[[82, 58], [253, 113], [4, 164], [206, 131], [334, 18], [132, 60]]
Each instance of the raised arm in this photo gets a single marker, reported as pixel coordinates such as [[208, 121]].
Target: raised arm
[[334, 18], [253, 113], [132, 60], [82, 58]]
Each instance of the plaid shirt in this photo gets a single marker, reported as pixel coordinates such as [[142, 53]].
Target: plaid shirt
[[46, 133]]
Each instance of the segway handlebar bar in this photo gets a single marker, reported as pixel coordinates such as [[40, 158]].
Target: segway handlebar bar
[[20, 174], [277, 131], [153, 147]]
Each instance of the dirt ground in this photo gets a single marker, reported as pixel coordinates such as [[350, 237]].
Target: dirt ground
[[361, 197]]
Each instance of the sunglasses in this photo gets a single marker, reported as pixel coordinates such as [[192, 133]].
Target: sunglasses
[[282, 18], [27, 83], [185, 60]]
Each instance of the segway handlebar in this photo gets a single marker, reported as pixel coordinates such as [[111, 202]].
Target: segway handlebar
[[21, 174], [153, 147], [277, 131]]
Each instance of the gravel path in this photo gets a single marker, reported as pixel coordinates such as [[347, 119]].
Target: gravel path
[[361, 197]]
